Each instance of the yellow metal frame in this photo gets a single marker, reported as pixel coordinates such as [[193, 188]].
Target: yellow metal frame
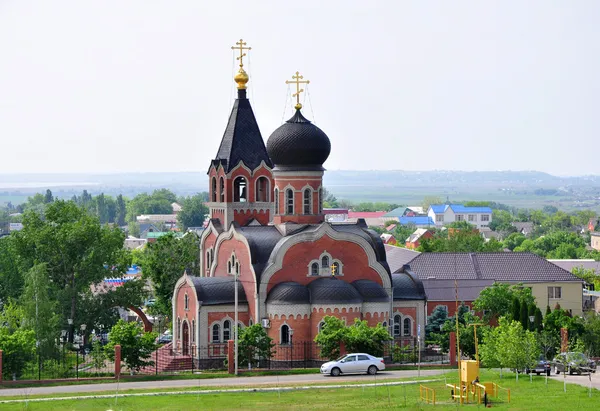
[[427, 394]]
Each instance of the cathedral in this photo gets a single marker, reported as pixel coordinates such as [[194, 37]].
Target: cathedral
[[268, 237]]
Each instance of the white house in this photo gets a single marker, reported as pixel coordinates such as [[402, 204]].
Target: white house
[[443, 214]]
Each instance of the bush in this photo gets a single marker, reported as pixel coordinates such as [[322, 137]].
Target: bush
[[136, 346]]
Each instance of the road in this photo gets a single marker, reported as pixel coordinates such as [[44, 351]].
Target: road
[[212, 382], [580, 379]]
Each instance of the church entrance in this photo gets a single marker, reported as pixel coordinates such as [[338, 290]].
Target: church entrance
[[185, 334]]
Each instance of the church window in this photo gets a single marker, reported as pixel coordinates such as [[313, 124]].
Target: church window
[[397, 325], [214, 189], [314, 269], [212, 255], [193, 330], [262, 189], [325, 262], [384, 324], [285, 334], [228, 267], [250, 322], [237, 268], [207, 259], [407, 327], [216, 333], [321, 326], [178, 327], [240, 190], [226, 330], [289, 199], [186, 300], [222, 189], [307, 201], [276, 201], [320, 200]]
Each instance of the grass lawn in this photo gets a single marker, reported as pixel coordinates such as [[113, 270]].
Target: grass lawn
[[524, 396]]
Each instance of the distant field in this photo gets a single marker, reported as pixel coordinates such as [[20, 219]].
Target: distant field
[[13, 199]]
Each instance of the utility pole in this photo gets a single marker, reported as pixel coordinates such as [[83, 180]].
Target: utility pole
[[235, 326]]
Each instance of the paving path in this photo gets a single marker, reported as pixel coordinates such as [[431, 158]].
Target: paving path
[[580, 379], [212, 382]]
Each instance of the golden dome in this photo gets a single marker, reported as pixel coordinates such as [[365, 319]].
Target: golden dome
[[241, 78]]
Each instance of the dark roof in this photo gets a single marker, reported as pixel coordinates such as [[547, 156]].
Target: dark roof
[[507, 267], [289, 292], [397, 257], [242, 140], [407, 287], [370, 291], [217, 290], [444, 290], [360, 228], [329, 290], [262, 240], [298, 145]]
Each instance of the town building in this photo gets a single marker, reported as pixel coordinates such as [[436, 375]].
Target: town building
[[595, 240], [411, 211], [388, 239], [443, 214], [417, 221], [268, 239], [420, 234], [549, 283]]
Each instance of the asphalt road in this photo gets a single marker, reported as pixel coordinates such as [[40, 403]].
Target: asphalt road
[[219, 382], [583, 379]]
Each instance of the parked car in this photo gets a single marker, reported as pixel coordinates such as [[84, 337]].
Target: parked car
[[542, 367], [573, 362], [164, 339], [353, 364]]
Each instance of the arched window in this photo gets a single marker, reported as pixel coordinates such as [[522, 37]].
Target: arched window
[[321, 326], [212, 255], [186, 301], [226, 330], [320, 200], [208, 259], [240, 190], [285, 334], [250, 322], [216, 333], [306, 204], [228, 267], [325, 262], [276, 201], [397, 325], [384, 324], [214, 189], [222, 189], [193, 330], [407, 327], [262, 189], [289, 201], [237, 268], [178, 327], [314, 269], [335, 268]]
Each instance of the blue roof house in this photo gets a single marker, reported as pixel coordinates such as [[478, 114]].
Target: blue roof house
[[443, 214]]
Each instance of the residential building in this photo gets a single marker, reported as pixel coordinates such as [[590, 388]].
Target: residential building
[[372, 218], [524, 228], [398, 257], [443, 214], [487, 234], [411, 211], [595, 240], [131, 243], [388, 239], [549, 283], [414, 241], [335, 215]]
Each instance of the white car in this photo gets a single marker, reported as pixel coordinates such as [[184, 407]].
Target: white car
[[353, 364]]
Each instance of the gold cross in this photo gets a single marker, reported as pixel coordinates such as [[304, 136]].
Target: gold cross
[[333, 269], [298, 80], [240, 46]]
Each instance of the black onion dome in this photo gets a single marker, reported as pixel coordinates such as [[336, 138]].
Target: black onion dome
[[298, 144], [328, 290]]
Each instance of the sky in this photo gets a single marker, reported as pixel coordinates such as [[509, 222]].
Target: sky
[[136, 86]]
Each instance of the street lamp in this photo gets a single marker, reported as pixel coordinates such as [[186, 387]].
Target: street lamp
[[291, 348], [70, 331], [82, 327]]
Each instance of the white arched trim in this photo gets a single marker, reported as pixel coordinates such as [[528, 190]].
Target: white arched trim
[[267, 190], [412, 324], [242, 166], [251, 173], [210, 229], [276, 258]]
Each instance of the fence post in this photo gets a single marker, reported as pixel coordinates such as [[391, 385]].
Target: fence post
[[156, 362], [117, 361], [193, 349], [0, 366], [230, 357], [77, 364]]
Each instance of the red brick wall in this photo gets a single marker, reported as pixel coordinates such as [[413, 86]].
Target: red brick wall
[[450, 304], [243, 217], [246, 277], [209, 242], [315, 182], [353, 257]]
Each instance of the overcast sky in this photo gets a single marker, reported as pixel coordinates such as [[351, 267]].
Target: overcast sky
[[111, 86]]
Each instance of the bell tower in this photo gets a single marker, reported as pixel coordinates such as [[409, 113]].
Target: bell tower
[[240, 177]]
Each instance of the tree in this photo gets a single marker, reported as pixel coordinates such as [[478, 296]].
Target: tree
[[514, 240], [16, 342], [11, 280], [136, 346], [436, 321], [120, 211], [498, 300], [429, 200], [588, 275], [524, 316], [591, 334], [164, 263], [330, 337], [39, 308], [516, 309], [513, 346], [77, 250], [254, 345], [193, 212], [359, 337], [48, 198], [538, 322], [159, 202]]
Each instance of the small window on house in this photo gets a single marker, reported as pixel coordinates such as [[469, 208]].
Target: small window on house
[[222, 189], [240, 190], [226, 330], [262, 189], [285, 334], [397, 325], [472, 217], [276, 201], [439, 218], [485, 217], [314, 269], [325, 262], [555, 292], [460, 217], [289, 198], [306, 203], [214, 189], [407, 327], [215, 333]]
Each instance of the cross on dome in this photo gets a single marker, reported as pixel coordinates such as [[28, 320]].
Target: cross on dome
[[297, 79]]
